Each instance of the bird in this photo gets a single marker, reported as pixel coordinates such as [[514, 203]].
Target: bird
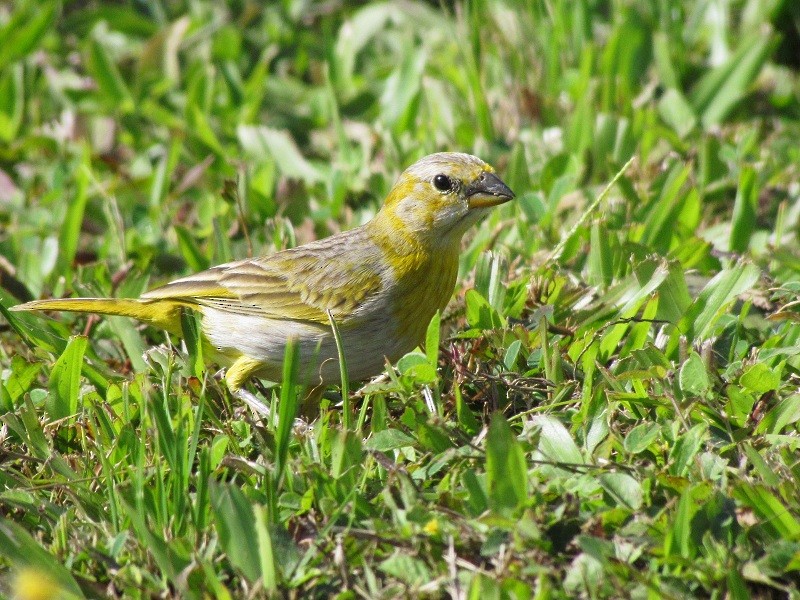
[[380, 283]]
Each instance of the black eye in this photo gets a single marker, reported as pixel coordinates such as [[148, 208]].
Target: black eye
[[442, 183]]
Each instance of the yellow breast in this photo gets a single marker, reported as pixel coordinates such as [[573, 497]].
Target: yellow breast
[[425, 283]]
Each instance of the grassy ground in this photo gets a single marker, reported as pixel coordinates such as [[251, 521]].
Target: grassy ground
[[611, 408]]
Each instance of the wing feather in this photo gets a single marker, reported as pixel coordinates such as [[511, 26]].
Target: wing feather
[[300, 284]]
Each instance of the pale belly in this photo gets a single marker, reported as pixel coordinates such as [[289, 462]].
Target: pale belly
[[377, 331], [366, 346]]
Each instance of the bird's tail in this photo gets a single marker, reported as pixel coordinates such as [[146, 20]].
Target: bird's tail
[[162, 313]]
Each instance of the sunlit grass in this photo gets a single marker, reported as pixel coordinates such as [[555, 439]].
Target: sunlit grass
[[607, 408]]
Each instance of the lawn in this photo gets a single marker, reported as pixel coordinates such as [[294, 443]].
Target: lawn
[[608, 408]]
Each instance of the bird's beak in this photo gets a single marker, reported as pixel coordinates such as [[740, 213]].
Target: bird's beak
[[487, 190]]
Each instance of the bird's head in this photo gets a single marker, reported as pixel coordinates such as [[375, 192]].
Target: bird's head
[[440, 196]]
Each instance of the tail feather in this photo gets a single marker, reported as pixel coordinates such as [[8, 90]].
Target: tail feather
[[161, 313]]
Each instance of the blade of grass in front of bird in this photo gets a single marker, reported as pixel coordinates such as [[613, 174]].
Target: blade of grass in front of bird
[[287, 409], [347, 418], [432, 352]]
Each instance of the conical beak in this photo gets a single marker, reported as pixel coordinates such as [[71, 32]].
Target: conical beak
[[487, 190]]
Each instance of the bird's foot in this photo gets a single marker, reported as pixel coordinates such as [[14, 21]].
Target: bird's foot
[[254, 403]]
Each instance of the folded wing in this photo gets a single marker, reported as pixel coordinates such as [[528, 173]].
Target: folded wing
[[298, 284]]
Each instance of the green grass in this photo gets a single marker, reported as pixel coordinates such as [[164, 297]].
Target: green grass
[[611, 406]]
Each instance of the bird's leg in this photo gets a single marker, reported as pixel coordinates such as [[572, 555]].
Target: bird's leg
[[253, 402], [242, 369]]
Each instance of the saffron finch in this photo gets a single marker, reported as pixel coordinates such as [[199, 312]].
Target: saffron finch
[[381, 283]]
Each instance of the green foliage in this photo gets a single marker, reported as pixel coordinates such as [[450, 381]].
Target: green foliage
[[607, 409]]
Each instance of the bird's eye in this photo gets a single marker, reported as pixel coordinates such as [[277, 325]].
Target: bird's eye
[[443, 183]]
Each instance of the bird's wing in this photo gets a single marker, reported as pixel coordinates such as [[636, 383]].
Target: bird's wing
[[299, 284]]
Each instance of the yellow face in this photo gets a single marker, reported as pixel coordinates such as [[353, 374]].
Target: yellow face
[[440, 196]]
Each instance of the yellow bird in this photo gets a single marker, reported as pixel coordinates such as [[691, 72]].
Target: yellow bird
[[381, 282]]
